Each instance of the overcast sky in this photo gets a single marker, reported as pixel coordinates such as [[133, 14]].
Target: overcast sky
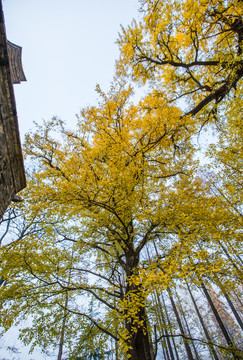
[[68, 46]]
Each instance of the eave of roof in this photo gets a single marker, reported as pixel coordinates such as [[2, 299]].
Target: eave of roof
[[15, 62], [10, 139]]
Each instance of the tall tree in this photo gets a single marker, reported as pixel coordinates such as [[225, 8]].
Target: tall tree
[[111, 177], [124, 182], [207, 335]]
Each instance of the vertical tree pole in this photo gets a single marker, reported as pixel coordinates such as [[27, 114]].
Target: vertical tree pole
[[168, 321], [235, 312], [221, 324], [231, 305], [165, 327], [187, 346], [211, 349], [161, 318], [187, 326], [61, 343]]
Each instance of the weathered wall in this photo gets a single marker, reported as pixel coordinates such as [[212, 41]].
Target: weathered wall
[[12, 177]]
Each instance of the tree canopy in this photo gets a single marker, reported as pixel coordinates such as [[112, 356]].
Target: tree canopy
[[126, 246], [191, 48]]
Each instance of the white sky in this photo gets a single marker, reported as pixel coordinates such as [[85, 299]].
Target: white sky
[[68, 47]]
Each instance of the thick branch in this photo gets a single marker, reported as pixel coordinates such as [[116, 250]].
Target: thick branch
[[144, 58], [218, 94], [145, 238]]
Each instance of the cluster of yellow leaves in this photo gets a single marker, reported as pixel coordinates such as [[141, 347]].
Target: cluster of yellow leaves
[[117, 158], [189, 47]]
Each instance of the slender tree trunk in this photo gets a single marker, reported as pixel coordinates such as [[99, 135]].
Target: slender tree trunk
[[238, 299], [239, 258], [162, 320], [116, 348], [187, 346], [187, 327], [164, 353], [221, 324], [161, 333], [231, 305], [169, 324], [161, 313], [234, 311], [167, 352], [62, 337], [61, 343], [211, 349]]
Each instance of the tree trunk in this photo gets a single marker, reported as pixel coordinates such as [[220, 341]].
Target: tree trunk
[[61, 343], [170, 327], [140, 347], [234, 311], [162, 321], [231, 305], [187, 346], [232, 348], [164, 354], [238, 299], [165, 327], [211, 349], [139, 341], [62, 337], [187, 327], [116, 348]]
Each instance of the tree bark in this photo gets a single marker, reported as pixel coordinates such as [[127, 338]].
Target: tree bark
[[187, 346], [234, 311], [230, 343], [211, 349], [139, 341], [233, 262], [169, 323], [238, 299], [231, 305], [140, 347], [165, 327], [163, 323], [61, 343], [187, 327]]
